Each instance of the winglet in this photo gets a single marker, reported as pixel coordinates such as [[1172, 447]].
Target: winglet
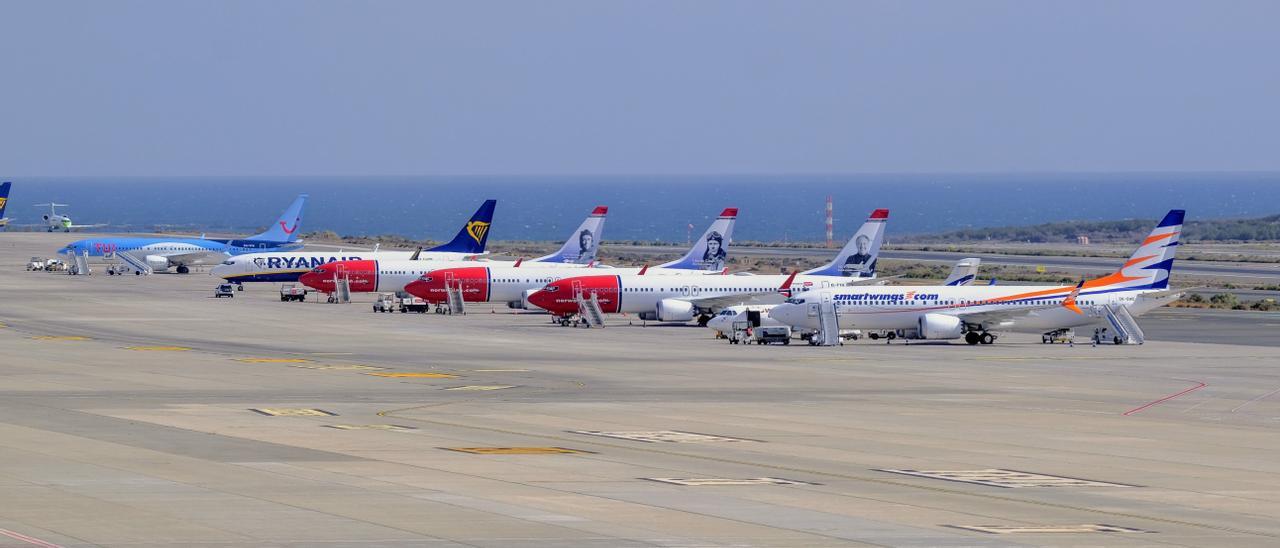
[[643, 269], [416, 254], [518, 261], [1069, 303], [725, 272]]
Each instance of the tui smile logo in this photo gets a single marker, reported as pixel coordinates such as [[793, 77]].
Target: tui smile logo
[[285, 227], [477, 230]]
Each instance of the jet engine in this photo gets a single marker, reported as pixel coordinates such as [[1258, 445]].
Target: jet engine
[[940, 326], [157, 263], [524, 303], [675, 310]]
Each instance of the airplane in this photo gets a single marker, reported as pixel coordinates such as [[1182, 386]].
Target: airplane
[[368, 275], [159, 254], [513, 283], [4, 201], [288, 266], [975, 313], [54, 221], [680, 299], [963, 273]]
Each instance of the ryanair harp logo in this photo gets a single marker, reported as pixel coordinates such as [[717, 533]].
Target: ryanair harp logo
[[3, 201], [477, 230]]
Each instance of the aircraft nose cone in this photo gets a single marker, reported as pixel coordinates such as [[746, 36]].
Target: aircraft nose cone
[[419, 288], [784, 313], [543, 299], [312, 280]]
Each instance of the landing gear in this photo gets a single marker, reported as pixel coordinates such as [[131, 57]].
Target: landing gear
[[703, 319], [972, 337], [182, 269], [987, 338]]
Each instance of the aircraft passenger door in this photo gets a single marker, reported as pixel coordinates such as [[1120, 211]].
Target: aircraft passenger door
[[341, 270], [577, 288]]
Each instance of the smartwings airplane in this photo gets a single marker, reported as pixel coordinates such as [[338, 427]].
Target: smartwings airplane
[[975, 313], [288, 266], [162, 253], [578, 251], [514, 283], [680, 299]]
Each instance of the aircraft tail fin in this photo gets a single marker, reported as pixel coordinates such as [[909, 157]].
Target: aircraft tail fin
[[583, 244], [964, 272], [858, 257], [474, 234], [711, 249], [1151, 263], [285, 229], [4, 196]]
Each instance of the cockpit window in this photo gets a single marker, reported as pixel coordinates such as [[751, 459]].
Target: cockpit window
[[228, 263], [795, 300]]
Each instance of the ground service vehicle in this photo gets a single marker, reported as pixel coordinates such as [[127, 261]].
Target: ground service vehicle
[[292, 292], [386, 303], [224, 290]]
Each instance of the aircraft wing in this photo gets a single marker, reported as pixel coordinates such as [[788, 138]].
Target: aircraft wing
[[198, 257], [725, 301], [99, 225]]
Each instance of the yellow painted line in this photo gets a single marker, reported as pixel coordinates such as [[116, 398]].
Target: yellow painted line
[[516, 450], [158, 348], [292, 412], [480, 388], [414, 375], [60, 338], [272, 360], [339, 367]]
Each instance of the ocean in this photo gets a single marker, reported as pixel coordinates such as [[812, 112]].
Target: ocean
[[659, 208]]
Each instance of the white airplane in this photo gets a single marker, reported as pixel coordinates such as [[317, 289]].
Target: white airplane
[[514, 283], [976, 313], [288, 265], [963, 273], [366, 275], [55, 221], [682, 298]]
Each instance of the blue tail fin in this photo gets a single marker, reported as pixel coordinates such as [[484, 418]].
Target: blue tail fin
[[4, 196], [712, 248], [285, 229], [584, 243], [858, 258], [474, 234]]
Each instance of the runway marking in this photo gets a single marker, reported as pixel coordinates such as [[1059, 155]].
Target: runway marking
[[28, 539], [1047, 529], [347, 367], [499, 370], [516, 450], [414, 375], [272, 360], [481, 387], [999, 477], [716, 482], [1138, 409], [60, 338], [391, 427], [293, 412], [1250, 402], [158, 348], [872, 479], [660, 436]]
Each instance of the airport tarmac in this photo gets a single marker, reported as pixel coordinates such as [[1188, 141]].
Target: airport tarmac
[[141, 412]]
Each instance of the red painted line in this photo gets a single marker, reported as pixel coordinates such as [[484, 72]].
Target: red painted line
[[1198, 386], [29, 540]]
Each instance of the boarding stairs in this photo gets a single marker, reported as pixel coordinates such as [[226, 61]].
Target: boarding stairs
[[341, 289], [1126, 328], [81, 264], [589, 309], [829, 331], [135, 263], [453, 293]]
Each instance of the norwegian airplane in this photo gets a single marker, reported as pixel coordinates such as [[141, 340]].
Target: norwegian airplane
[[289, 266], [514, 283], [682, 298], [975, 313], [963, 273], [367, 275]]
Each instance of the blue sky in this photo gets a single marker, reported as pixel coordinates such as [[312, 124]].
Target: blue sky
[[315, 87]]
